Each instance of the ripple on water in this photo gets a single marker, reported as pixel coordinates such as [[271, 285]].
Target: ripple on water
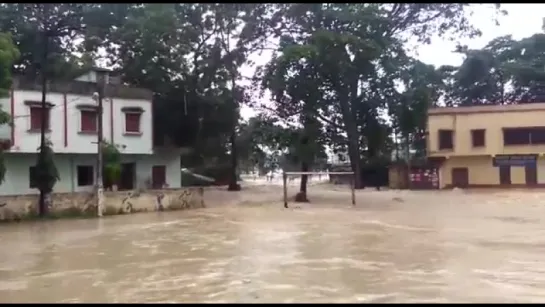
[[386, 225], [13, 285]]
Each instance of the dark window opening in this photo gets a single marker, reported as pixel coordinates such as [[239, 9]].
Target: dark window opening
[[537, 135], [36, 118], [446, 139], [32, 182], [505, 175], [158, 176], [128, 177], [530, 174], [478, 137], [524, 136], [88, 121], [85, 175], [132, 122]]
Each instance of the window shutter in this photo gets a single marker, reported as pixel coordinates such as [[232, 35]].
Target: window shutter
[[88, 121], [132, 122], [35, 118]]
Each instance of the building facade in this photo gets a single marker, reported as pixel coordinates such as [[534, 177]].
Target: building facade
[[72, 126], [488, 146]]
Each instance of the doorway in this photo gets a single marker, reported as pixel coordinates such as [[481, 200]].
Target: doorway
[[128, 176], [460, 177], [505, 175], [530, 172], [158, 176]]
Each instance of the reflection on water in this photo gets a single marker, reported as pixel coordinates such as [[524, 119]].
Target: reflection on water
[[467, 248]]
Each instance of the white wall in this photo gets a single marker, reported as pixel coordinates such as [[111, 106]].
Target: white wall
[[5, 130], [26, 142], [17, 176], [145, 163], [142, 144]]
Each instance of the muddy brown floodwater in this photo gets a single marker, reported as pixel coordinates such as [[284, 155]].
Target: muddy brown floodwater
[[395, 246]]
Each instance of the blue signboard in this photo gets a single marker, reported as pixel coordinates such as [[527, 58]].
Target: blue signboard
[[515, 160]]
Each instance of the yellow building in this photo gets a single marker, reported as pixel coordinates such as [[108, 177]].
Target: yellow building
[[488, 146]]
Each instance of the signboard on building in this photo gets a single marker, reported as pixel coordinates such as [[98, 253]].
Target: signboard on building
[[514, 160]]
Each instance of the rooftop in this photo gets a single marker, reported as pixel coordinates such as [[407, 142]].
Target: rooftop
[[524, 107], [82, 88]]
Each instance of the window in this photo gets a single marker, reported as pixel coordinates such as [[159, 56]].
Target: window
[[88, 121], [524, 136], [36, 118], [445, 139], [516, 136], [537, 135], [85, 175], [132, 122], [32, 182], [478, 137]]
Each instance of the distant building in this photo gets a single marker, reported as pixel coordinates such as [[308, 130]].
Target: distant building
[[488, 146], [72, 129]]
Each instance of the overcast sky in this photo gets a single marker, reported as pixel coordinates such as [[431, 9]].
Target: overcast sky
[[522, 20]]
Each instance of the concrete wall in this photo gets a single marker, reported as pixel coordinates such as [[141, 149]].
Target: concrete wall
[[17, 166], [397, 177], [84, 203], [490, 118], [65, 124]]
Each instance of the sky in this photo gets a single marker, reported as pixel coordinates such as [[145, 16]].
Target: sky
[[522, 20]]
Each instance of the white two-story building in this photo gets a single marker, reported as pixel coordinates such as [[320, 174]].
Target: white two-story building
[[72, 129]]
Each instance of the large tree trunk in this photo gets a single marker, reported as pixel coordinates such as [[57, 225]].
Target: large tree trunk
[[233, 185], [353, 143], [302, 195]]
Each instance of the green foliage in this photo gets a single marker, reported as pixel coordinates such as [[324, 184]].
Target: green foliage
[[504, 71], [46, 174], [340, 70], [111, 158], [110, 154], [8, 54], [30, 24]]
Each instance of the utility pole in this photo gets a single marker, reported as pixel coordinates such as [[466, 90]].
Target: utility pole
[[101, 84]]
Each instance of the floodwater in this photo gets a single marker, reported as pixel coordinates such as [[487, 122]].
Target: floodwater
[[392, 247]]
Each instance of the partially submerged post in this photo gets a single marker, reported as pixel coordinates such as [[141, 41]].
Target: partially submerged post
[[353, 189], [285, 184]]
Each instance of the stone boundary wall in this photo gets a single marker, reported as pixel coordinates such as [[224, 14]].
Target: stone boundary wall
[[14, 208]]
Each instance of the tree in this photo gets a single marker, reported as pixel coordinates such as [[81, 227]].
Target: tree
[[8, 55], [505, 71], [189, 54], [297, 98], [44, 27], [243, 24], [358, 49], [112, 165]]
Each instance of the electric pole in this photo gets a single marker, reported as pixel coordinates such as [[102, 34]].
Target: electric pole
[[101, 84], [43, 205]]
